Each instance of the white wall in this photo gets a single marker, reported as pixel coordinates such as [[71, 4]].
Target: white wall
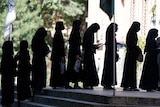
[[124, 16]]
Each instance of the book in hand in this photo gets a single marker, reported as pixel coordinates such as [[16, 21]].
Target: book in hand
[[96, 46]]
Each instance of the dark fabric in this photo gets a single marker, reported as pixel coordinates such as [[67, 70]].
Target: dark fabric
[[107, 76], [24, 68], [129, 79], [57, 78], [149, 77], [108, 7], [74, 50], [90, 76], [8, 70], [40, 50]]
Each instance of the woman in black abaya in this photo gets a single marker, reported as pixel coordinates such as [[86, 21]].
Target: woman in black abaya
[[24, 68], [107, 76], [8, 71], [90, 76], [149, 77], [40, 50], [129, 81], [57, 78], [74, 54]]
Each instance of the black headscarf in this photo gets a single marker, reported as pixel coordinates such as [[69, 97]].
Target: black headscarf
[[150, 40]]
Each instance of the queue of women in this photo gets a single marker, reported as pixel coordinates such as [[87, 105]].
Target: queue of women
[[77, 67]]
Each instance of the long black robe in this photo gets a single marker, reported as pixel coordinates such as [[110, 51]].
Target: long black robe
[[57, 77], [8, 71], [107, 76], [149, 77], [24, 68], [129, 79], [74, 50], [40, 50], [90, 76]]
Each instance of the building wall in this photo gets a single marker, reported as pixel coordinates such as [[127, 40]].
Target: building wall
[[125, 14], [132, 10]]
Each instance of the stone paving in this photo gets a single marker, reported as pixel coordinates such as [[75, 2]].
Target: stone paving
[[119, 97], [118, 92]]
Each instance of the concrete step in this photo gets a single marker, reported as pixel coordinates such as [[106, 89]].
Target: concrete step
[[34, 104], [72, 94], [28, 103], [90, 98], [65, 102], [103, 99]]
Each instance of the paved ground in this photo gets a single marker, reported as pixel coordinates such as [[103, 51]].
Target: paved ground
[[118, 92]]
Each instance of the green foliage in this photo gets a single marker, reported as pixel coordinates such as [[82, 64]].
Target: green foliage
[[27, 21], [31, 14], [153, 10], [61, 10], [66, 10], [2, 5], [141, 42]]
